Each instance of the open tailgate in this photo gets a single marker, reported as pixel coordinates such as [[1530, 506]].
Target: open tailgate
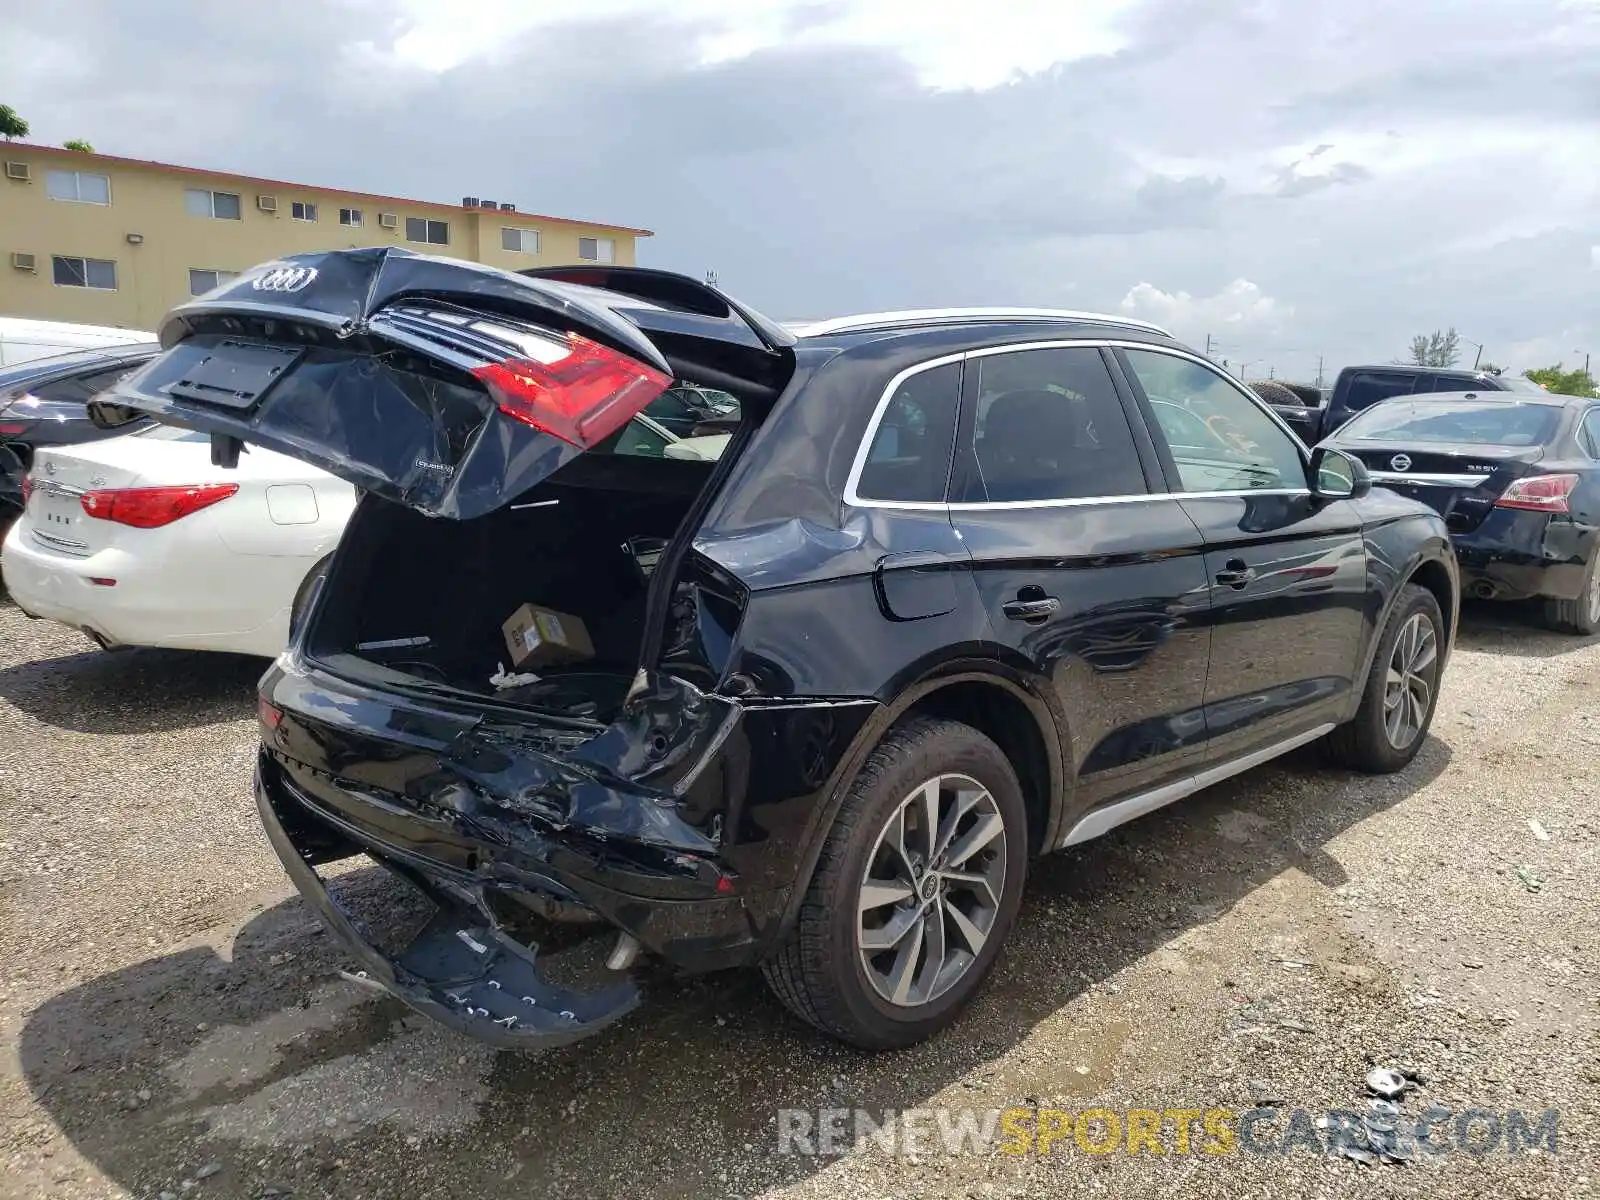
[[447, 386]]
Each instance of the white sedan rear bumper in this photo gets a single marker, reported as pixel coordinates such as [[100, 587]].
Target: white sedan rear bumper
[[241, 605]]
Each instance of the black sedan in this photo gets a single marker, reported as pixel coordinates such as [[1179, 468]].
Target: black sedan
[[42, 403], [1516, 477]]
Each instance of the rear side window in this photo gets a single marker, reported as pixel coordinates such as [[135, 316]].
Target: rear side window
[[1368, 387], [81, 388], [909, 459], [1049, 426]]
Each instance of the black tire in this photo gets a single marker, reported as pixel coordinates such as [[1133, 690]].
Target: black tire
[[818, 971], [302, 595], [1363, 743], [1582, 614]]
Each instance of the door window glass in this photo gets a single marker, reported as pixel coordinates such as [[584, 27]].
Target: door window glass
[[909, 460], [1049, 426], [1220, 438]]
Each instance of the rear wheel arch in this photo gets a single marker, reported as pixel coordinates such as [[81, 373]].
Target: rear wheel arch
[[1430, 569], [975, 696]]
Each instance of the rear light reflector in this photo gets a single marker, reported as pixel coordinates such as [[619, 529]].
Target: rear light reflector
[[150, 508], [102, 581], [11, 429], [271, 715], [1539, 493], [572, 388], [27, 489]]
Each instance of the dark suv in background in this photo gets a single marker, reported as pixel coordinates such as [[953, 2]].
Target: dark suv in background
[[964, 588]]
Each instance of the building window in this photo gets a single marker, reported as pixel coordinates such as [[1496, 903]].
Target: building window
[[597, 249], [302, 211], [203, 280], [83, 187], [223, 206], [419, 229], [520, 241], [71, 271], [351, 217]]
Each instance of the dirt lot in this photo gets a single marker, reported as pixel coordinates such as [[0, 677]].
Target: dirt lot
[[173, 1020]]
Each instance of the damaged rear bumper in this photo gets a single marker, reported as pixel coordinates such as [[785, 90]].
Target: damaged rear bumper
[[460, 969]]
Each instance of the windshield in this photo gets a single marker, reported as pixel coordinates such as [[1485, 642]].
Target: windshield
[[1521, 383], [1459, 422]]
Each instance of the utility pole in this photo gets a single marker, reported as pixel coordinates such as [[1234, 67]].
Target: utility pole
[[711, 279], [1272, 372], [1208, 345], [1319, 370]]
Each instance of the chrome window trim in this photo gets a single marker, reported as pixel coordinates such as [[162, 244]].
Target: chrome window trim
[[853, 497]]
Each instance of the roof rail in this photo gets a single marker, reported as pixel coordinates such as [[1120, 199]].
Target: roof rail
[[911, 317]]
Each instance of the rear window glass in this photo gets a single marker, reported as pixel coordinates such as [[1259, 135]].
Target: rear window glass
[[1466, 422], [909, 459]]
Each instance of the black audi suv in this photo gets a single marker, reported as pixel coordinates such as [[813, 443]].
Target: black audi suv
[[964, 587]]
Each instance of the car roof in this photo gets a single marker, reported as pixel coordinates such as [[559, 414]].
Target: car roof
[[1548, 399], [1413, 369], [922, 318], [958, 330]]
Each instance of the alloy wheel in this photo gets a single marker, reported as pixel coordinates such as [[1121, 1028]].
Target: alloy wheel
[[931, 891], [1408, 689], [1594, 594]]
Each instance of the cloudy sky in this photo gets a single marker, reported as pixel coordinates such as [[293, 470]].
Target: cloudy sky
[[1292, 179]]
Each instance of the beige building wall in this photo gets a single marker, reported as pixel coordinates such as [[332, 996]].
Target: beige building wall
[[149, 233]]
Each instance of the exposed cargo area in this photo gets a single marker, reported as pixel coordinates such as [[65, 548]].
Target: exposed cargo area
[[431, 599]]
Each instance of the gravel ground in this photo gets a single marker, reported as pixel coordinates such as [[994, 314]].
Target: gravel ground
[[173, 1020]]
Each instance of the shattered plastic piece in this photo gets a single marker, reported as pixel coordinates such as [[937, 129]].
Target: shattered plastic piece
[[1436, 1114], [1387, 1109], [476, 946], [1531, 879], [1399, 1154], [1386, 1082], [1538, 830], [1360, 1153], [1292, 962], [504, 682]]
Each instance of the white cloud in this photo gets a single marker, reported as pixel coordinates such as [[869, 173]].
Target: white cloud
[[949, 43], [1240, 305]]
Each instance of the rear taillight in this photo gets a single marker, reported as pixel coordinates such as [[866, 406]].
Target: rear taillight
[[27, 489], [150, 508], [1539, 493], [572, 388], [11, 429]]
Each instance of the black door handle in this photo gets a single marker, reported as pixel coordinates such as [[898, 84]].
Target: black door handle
[[1031, 610], [1236, 573]]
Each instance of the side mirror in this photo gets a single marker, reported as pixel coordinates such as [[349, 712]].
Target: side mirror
[[1336, 475]]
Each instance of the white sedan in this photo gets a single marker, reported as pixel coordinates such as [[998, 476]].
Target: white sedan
[[140, 541]]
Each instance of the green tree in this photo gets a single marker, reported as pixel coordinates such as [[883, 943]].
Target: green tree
[[1490, 368], [1576, 382], [1441, 348], [11, 125], [77, 144]]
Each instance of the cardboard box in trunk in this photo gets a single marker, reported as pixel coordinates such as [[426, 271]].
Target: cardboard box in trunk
[[542, 637]]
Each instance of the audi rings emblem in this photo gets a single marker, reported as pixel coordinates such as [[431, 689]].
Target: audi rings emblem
[[284, 279], [1401, 462]]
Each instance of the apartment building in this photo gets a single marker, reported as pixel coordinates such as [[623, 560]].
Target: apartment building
[[118, 241]]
